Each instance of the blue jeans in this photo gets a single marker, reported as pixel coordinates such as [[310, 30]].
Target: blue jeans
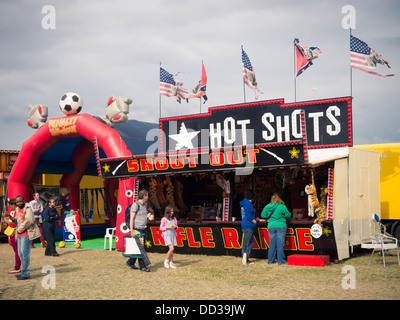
[[248, 241], [276, 243], [24, 252]]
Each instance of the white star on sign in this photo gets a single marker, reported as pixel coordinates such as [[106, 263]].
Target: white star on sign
[[184, 138]]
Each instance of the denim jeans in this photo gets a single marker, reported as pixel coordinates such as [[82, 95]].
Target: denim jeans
[[24, 252], [276, 243], [248, 241]]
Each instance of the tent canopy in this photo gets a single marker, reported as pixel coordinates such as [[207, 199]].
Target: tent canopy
[[133, 132]]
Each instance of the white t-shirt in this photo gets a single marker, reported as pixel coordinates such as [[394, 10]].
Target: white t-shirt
[[37, 208]]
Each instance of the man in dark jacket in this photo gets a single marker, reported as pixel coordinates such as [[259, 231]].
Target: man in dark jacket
[[50, 215]]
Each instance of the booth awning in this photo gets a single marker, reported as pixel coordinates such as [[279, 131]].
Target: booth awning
[[318, 156]]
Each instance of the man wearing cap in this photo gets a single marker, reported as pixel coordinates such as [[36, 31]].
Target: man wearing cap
[[249, 223]]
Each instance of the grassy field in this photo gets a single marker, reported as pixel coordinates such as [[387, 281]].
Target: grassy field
[[101, 274]]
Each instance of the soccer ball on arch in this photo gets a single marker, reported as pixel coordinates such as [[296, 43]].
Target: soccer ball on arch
[[71, 103]]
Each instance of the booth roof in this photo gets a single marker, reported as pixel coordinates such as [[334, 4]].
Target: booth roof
[[132, 132]]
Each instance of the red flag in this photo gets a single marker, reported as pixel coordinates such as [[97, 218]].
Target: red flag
[[200, 90], [304, 56]]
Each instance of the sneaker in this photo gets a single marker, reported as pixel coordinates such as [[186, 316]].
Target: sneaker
[[244, 258], [14, 271], [145, 269], [250, 262], [171, 265], [19, 277], [166, 264]]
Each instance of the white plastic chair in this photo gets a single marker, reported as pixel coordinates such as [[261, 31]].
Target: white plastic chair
[[110, 234], [382, 242]]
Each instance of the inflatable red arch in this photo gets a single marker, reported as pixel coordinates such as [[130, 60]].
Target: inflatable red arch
[[80, 125]]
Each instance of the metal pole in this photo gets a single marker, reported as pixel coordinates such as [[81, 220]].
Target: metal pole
[[244, 85], [294, 67], [351, 73], [200, 82], [159, 103]]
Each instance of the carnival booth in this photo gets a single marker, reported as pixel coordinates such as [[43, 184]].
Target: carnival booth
[[302, 150]]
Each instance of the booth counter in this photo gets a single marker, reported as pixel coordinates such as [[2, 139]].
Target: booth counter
[[225, 238]]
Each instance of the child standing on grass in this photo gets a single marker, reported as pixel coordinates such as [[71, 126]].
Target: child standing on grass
[[168, 226]]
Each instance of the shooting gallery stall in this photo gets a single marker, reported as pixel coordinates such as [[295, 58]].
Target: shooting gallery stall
[[206, 162]]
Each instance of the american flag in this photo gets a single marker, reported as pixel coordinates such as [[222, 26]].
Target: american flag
[[249, 75], [363, 57], [169, 87]]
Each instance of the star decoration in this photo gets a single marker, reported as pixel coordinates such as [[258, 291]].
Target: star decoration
[[184, 138], [106, 167], [148, 244], [326, 231], [294, 153]]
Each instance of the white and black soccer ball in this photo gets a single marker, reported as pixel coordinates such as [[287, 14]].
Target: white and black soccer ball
[[71, 103]]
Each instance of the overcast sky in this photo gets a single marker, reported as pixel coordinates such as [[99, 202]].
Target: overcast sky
[[103, 48]]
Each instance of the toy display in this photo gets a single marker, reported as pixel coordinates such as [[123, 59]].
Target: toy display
[[322, 214], [313, 203]]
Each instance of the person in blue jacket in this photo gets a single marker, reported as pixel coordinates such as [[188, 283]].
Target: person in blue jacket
[[49, 216], [249, 223]]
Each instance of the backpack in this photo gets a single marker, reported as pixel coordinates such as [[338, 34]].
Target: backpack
[[128, 214]]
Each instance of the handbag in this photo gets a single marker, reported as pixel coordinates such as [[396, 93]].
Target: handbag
[[10, 231]]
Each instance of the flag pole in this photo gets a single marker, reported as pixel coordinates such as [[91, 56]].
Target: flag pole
[[200, 85], [351, 72], [294, 68], [159, 103], [244, 86]]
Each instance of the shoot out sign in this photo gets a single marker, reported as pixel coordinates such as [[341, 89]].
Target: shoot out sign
[[241, 137]]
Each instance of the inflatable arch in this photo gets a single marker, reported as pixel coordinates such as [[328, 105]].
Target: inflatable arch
[[79, 125]]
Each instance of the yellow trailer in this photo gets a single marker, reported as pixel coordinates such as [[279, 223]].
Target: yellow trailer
[[389, 183]]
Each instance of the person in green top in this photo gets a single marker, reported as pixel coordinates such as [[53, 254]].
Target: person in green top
[[277, 215]]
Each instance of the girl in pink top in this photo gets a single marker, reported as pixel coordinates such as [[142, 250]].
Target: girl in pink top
[[168, 226]]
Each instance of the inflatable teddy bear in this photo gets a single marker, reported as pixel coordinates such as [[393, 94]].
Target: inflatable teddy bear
[[37, 115], [116, 110]]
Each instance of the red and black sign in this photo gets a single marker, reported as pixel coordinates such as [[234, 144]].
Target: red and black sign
[[327, 122], [224, 159], [226, 239]]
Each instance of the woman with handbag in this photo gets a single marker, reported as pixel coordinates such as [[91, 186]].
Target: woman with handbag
[[10, 231]]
